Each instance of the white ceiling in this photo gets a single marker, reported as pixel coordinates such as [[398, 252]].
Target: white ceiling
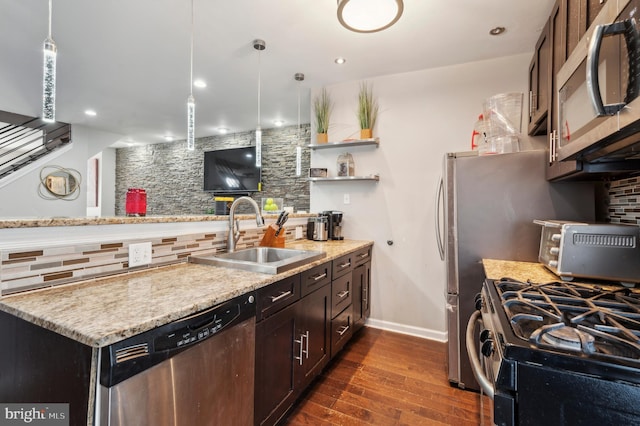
[[129, 59]]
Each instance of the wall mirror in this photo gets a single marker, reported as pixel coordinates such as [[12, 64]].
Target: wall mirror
[[59, 183]]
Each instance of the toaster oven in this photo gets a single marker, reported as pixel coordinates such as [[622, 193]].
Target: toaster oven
[[586, 250]]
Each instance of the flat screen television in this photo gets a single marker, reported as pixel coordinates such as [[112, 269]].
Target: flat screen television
[[231, 170]]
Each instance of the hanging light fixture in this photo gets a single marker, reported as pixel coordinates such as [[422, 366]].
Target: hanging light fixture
[[191, 103], [369, 16], [259, 45], [49, 76], [298, 77]]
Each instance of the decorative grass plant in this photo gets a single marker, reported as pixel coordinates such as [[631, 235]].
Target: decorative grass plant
[[367, 107], [322, 106]]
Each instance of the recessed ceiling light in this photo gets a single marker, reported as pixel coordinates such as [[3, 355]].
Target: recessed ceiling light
[[278, 123], [90, 113], [223, 130], [497, 31], [340, 61], [168, 138], [200, 84]]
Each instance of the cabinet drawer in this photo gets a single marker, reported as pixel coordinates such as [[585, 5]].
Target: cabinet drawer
[[341, 293], [276, 296], [341, 330], [362, 255], [342, 265], [315, 278]]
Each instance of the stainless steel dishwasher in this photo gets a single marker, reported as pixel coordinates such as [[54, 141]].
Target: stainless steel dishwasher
[[195, 371]]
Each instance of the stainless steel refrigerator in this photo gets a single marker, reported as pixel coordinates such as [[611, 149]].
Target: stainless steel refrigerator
[[488, 204]]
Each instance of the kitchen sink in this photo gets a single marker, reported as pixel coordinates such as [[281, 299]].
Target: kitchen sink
[[266, 260]]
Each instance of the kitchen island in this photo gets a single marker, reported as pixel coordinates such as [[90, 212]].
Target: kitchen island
[[78, 319]]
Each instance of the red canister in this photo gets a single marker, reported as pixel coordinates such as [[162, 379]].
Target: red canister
[[136, 204]]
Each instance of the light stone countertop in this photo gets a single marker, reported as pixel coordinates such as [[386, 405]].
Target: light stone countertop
[[522, 271], [39, 222], [103, 311]]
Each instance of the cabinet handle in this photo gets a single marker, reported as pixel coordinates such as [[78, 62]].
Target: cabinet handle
[[345, 265], [306, 344], [343, 294], [365, 296], [299, 358], [281, 296], [342, 330], [363, 255], [318, 276]]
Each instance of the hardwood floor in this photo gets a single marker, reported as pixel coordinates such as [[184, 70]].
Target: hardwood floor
[[386, 378]]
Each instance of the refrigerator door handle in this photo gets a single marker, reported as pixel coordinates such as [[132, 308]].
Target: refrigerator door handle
[[439, 210]]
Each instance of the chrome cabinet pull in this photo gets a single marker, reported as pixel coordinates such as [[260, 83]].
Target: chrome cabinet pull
[[343, 294], [299, 357], [342, 330], [306, 343], [280, 296], [345, 265], [363, 255], [318, 276]]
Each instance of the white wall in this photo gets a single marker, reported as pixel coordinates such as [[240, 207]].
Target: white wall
[[20, 198], [424, 114]]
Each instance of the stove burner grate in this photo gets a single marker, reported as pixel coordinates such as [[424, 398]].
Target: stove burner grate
[[574, 317]]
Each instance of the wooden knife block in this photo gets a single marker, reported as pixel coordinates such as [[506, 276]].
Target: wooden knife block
[[270, 240]]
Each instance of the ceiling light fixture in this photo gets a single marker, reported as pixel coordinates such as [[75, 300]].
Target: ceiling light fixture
[[90, 113], [278, 123], [369, 16], [497, 31], [340, 61], [200, 84], [223, 130], [298, 77], [259, 45], [49, 76], [191, 103]]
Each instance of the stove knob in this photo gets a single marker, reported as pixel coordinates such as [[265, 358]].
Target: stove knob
[[554, 251], [487, 348], [478, 301], [485, 335], [556, 237], [553, 263]]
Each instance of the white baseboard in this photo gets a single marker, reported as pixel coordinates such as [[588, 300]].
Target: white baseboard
[[440, 336]]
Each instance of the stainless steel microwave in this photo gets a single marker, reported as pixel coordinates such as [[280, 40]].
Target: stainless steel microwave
[[599, 88]]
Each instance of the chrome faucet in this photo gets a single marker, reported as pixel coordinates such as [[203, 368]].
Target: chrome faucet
[[234, 226]]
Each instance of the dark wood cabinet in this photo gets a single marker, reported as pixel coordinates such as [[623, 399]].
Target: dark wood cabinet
[[539, 84], [292, 347], [361, 291], [275, 375]]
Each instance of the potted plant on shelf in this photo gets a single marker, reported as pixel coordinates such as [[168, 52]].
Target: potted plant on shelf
[[322, 107], [367, 110]]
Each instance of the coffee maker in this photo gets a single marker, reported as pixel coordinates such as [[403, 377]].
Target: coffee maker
[[334, 218]]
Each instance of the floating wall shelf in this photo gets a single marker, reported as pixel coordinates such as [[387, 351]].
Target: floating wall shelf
[[375, 178], [344, 144]]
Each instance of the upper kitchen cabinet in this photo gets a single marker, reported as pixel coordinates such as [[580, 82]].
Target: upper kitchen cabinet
[[539, 84]]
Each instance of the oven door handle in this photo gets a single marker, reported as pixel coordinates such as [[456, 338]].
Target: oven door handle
[[628, 30], [484, 382]]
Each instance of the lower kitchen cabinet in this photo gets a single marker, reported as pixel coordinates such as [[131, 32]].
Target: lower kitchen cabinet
[[361, 291], [292, 347]]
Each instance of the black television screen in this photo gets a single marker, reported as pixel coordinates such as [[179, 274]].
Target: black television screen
[[231, 170]]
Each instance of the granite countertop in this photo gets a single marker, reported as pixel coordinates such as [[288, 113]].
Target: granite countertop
[[121, 220], [522, 271], [103, 311]]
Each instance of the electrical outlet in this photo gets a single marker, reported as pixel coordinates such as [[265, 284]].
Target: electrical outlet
[[139, 254], [347, 199], [298, 232]]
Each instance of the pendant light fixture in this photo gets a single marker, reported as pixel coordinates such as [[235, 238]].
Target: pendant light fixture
[[49, 76], [369, 16], [259, 45], [299, 77], [191, 103]]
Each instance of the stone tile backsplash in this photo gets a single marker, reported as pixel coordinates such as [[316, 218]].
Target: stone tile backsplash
[[623, 199], [29, 269]]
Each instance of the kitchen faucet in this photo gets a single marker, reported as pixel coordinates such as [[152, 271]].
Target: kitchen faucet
[[234, 226]]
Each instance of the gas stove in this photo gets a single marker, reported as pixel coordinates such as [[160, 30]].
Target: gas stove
[[560, 352]]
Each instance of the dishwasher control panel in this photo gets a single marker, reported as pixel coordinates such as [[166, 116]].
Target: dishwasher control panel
[[128, 357], [203, 327]]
